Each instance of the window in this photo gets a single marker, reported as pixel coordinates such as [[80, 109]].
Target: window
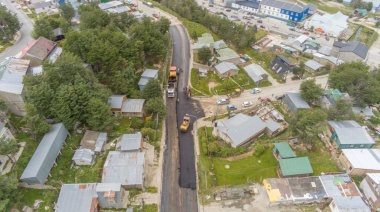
[[291, 13], [296, 19], [287, 12], [351, 146], [361, 146]]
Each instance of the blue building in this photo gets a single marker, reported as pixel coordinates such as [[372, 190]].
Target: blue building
[[294, 12]]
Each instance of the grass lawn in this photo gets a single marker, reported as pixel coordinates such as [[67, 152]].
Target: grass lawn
[[346, 9], [147, 208], [320, 159], [367, 36], [49, 197], [201, 83], [247, 169], [84, 174]]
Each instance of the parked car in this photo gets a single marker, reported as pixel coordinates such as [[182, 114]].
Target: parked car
[[222, 101], [312, 37], [231, 107], [305, 33], [279, 97], [156, 15], [265, 100], [228, 10], [327, 38], [275, 26], [260, 21], [261, 26], [292, 29], [246, 104], [255, 90]]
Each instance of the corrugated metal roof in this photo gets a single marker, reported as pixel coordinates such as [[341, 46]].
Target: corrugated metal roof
[[123, 167], [295, 7], [103, 187], [121, 9], [366, 111], [111, 4], [331, 183], [143, 81], [37, 70], [206, 38], [84, 155], [226, 54], [332, 24], [53, 56], [130, 142], [255, 72], [350, 132], [200, 45], [44, 157], [284, 150], [297, 100], [295, 166], [326, 50], [150, 73], [77, 197], [272, 125], [224, 67], [356, 47], [220, 44], [241, 127], [375, 177], [42, 4], [100, 141], [354, 203], [133, 106], [40, 49], [12, 72], [314, 65], [116, 101], [368, 159]]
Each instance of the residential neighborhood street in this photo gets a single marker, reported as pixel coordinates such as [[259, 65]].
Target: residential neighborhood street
[[25, 31]]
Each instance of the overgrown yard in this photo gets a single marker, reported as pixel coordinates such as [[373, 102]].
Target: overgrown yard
[[223, 86], [29, 196], [367, 36]]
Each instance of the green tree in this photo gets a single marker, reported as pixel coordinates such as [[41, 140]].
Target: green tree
[[213, 148], [369, 6], [310, 91], [67, 11], [308, 123], [156, 106], [204, 54], [93, 19], [3, 105], [8, 191], [42, 28], [8, 146], [341, 111], [355, 79], [163, 25], [9, 22], [35, 122], [152, 89], [98, 113]]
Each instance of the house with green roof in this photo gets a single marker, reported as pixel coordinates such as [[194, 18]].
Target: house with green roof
[[282, 150], [228, 55], [295, 167], [331, 96]]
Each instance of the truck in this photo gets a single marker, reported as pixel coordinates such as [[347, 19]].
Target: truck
[[172, 81], [185, 124]]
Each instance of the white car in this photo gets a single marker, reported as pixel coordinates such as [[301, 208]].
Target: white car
[[222, 101], [246, 104], [275, 26], [255, 90]]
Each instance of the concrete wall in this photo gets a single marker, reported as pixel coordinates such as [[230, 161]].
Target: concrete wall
[[15, 103], [350, 56], [370, 192], [33, 60], [351, 170]]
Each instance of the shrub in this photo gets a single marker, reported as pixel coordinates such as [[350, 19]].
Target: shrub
[[259, 150], [148, 132], [136, 123]]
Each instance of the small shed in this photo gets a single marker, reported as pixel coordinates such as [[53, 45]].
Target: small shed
[[93, 140], [133, 108], [282, 150], [295, 167], [130, 143], [147, 75], [202, 72], [272, 127], [294, 102], [256, 73], [313, 66], [226, 69], [228, 55], [83, 157], [116, 103]]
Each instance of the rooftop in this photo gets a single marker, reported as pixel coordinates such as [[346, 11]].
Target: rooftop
[[116, 101], [130, 142], [297, 100], [295, 166], [220, 44], [355, 203], [124, 167], [84, 155], [206, 39], [226, 54], [241, 127], [121, 9], [295, 7], [108, 5], [356, 47], [249, 4], [350, 132], [368, 159], [12, 72], [53, 56], [133, 106], [39, 48], [255, 72], [149, 73], [77, 197], [224, 67], [284, 150], [314, 65]]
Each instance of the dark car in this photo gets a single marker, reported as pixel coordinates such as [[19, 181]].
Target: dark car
[[327, 38], [312, 37], [261, 26], [228, 10], [279, 97], [292, 29], [259, 21], [231, 107], [305, 33]]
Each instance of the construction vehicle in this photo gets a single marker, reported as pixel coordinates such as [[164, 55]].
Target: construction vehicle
[[235, 94], [185, 124], [172, 81]]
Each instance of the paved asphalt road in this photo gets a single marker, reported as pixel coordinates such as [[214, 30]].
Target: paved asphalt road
[[25, 31], [179, 174]]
